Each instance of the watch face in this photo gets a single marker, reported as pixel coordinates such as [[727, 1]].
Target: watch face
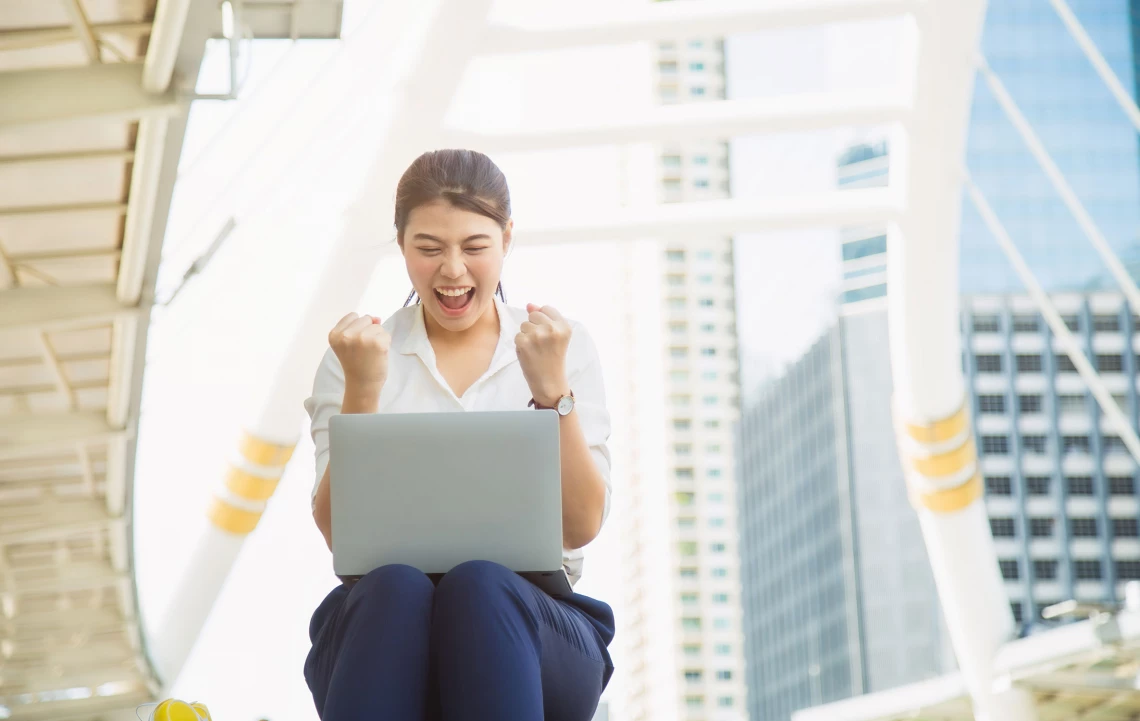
[[565, 405]]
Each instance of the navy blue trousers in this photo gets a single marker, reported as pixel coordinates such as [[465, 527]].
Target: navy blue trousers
[[481, 644]]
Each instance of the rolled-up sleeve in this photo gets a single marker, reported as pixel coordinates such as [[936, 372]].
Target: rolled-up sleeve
[[323, 404], [585, 378]]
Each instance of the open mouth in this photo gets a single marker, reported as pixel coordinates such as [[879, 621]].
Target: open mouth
[[454, 300]]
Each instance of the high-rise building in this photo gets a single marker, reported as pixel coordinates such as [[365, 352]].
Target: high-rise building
[[864, 247], [839, 597], [1079, 122], [683, 639], [1060, 484]]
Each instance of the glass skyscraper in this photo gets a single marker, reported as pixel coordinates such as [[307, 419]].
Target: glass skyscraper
[[1082, 127]]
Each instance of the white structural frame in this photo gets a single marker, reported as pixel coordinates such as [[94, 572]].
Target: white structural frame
[[437, 34], [922, 209], [931, 397]]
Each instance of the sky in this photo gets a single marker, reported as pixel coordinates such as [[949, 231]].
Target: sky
[[212, 349]]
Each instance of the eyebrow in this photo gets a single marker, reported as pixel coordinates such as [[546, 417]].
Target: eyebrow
[[425, 236]]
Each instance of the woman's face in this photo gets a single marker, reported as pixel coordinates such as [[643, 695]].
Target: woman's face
[[454, 259]]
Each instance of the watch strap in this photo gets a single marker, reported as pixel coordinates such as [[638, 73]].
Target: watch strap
[[538, 406]]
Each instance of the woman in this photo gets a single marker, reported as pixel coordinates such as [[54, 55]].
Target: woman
[[482, 643]]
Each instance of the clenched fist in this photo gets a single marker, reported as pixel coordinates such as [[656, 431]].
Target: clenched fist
[[361, 344], [541, 346]]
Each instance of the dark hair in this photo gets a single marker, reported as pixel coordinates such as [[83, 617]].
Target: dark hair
[[466, 179]]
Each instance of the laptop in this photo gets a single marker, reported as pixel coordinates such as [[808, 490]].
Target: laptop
[[433, 490]]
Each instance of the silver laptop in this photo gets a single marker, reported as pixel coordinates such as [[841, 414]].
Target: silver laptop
[[432, 490]]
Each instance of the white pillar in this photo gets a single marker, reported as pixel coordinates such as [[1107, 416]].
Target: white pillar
[[935, 439], [437, 38]]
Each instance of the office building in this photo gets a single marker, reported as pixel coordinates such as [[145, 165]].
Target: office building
[[864, 247], [1060, 484], [1085, 131], [682, 639], [839, 598]]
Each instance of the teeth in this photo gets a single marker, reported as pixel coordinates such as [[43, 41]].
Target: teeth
[[451, 292]]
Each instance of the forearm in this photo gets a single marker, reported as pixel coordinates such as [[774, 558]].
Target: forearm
[[583, 487], [356, 400]]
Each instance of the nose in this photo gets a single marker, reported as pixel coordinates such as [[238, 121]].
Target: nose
[[453, 266]]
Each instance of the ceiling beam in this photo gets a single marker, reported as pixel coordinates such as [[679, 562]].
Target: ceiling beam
[[124, 156], [716, 120], [82, 28], [669, 21], [26, 38], [104, 92], [23, 435], [38, 307], [123, 705], [105, 578], [719, 217], [112, 207]]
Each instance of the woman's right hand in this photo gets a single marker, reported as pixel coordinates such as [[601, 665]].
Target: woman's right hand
[[361, 344]]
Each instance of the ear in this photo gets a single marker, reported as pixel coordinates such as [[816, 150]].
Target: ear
[[508, 234]]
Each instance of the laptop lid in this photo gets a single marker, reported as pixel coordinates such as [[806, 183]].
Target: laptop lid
[[433, 490]]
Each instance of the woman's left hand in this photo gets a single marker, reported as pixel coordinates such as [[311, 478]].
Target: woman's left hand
[[541, 346]]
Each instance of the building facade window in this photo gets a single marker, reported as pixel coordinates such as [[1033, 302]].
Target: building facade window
[[1026, 324], [1087, 570], [724, 675], [1029, 363], [1106, 323], [1027, 404], [1075, 444], [1065, 364], [1080, 485], [1114, 444], [988, 363], [1110, 362], [1082, 527], [1121, 486], [1071, 403], [1034, 444], [999, 485], [1125, 528], [1041, 527], [995, 445], [1002, 527], [1045, 570], [987, 324], [1128, 570], [991, 404], [1038, 485], [1010, 570]]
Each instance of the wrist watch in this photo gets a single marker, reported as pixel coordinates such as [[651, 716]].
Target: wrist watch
[[563, 406]]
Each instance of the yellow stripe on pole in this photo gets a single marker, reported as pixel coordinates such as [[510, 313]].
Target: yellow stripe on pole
[[244, 484], [940, 431], [264, 453], [951, 499], [948, 463], [232, 519]]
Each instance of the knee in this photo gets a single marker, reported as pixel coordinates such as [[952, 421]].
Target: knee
[[475, 581], [392, 585]]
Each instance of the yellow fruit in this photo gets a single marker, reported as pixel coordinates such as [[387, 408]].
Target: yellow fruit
[[203, 712], [175, 710]]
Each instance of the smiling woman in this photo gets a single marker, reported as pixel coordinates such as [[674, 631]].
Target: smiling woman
[[482, 642]]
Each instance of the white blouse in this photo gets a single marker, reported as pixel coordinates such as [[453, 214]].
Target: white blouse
[[415, 385]]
